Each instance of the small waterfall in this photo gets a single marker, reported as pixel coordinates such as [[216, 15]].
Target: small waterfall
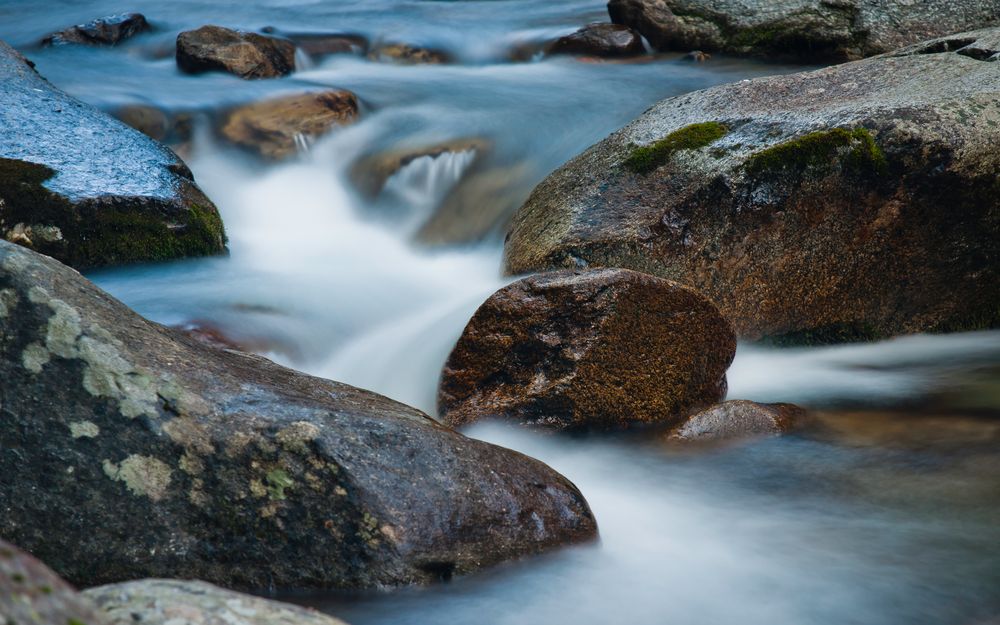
[[422, 184], [303, 62]]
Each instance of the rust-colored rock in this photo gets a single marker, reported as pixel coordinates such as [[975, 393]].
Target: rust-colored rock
[[31, 594], [738, 419], [277, 127], [588, 350], [602, 40], [248, 55]]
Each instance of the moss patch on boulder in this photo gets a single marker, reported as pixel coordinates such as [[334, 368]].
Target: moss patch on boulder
[[856, 149], [645, 159]]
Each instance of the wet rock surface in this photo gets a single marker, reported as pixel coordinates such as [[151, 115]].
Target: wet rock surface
[[371, 172], [247, 55], [738, 419], [82, 187], [276, 128], [810, 29], [175, 602], [106, 31], [409, 54], [31, 594], [601, 40], [588, 349], [131, 445], [854, 202]]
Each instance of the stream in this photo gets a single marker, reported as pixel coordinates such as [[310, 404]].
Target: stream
[[884, 509]]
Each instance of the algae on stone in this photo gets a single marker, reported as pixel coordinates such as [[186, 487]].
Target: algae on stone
[[645, 159]]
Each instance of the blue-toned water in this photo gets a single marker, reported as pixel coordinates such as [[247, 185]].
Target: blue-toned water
[[884, 510]]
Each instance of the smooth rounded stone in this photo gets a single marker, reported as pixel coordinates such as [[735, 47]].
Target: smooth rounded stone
[[103, 31], [806, 29], [247, 55], [738, 418], [278, 127], [407, 54], [602, 40], [855, 202], [371, 172], [597, 349], [176, 602], [170, 127], [696, 56], [130, 450], [82, 187], [31, 594]]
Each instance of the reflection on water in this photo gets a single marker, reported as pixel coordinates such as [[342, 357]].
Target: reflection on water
[[882, 510]]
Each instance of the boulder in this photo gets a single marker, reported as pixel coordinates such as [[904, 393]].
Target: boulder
[[131, 445], [278, 127], [247, 55], [31, 594], [851, 203], [599, 349], [406, 54], [738, 418], [602, 40], [176, 602], [82, 187], [805, 29], [103, 31]]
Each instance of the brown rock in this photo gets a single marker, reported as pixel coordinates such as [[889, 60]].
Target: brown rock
[[588, 349], [106, 31], [371, 172], [407, 54], [603, 40], [31, 594], [248, 55], [738, 419], [277, 127]]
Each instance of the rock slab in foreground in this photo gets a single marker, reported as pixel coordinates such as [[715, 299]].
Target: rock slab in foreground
[[175, 602], [810, 29], [82, 187], [103, 31], [854, 202], [277, 127], [588, 349], [130, 445], [247, 55], [739, 418], [31, 594]]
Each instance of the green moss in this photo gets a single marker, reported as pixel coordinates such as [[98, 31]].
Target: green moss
[[277, 481], [645, 159], [855, 149], [75, 621], [105, 232]]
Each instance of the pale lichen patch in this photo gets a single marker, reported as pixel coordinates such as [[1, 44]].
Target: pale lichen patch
[[297, 436], [84, 429], [34, 357], [191, 464], [142, 475], [190, 434], [8, 300]]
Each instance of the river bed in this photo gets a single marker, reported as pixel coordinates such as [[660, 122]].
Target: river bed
[[884, 509]]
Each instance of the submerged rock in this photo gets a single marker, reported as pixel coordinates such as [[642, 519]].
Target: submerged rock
[[588, 349], [106, 31], [854, 202], [175, 602], [318, 45], [604, 40], [248, 55], [31, 594], [278, 127], [130, 450], [174, 128], [811, 29], [82, 187], [371, 172], [738, 419], [408, 54]]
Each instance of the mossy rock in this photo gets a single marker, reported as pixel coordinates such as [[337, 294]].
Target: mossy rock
[[645, 159]]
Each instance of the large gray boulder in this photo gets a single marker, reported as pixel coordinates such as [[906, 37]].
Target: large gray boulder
[[854, 202], [130, 450], [82, 187], [811, 29]]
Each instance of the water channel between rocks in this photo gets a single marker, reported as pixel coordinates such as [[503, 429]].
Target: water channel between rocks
[[884, 510]]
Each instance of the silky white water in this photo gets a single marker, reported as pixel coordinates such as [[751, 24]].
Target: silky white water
[[884, 512]]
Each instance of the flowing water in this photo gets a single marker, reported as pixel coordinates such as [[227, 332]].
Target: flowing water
[[885, 509]]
